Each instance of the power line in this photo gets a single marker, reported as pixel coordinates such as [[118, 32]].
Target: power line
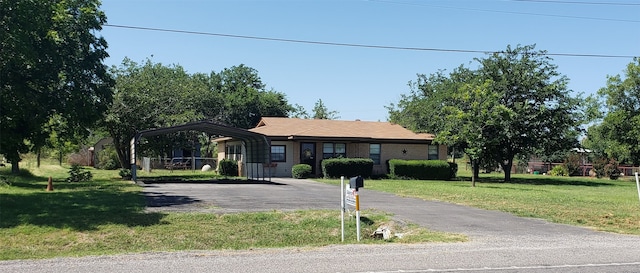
[[580, 2], [510, 12], [351, 44]]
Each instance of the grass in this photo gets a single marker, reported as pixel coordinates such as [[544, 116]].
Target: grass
[[601, 204], [107, 216]]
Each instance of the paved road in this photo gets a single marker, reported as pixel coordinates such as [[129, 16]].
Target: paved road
[[499, 242]]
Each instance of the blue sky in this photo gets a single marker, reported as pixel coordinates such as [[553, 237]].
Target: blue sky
[[358, 82]]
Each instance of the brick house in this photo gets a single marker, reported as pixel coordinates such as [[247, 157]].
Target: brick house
[[309, 141]]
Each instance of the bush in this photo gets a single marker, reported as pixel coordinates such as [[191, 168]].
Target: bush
[[611, 170], [422, 169], [559, 170], [572, 163], [228, 167], [598, 167], [125, 173], [108, 159], [453, 167], [301, 171], [78, 174], [347, 167]]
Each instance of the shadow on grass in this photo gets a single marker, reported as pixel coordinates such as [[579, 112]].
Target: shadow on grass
[[79, 206], [546, 180]]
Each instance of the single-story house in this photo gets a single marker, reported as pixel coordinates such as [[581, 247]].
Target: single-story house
[[309, 141]]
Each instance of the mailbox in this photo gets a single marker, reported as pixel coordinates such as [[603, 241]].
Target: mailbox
[[356, 182]]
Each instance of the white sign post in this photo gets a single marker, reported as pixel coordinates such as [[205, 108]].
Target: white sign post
[[638, 185], [342, 206], [349, 197]]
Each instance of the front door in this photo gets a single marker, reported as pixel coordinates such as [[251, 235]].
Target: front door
[[308, 155]]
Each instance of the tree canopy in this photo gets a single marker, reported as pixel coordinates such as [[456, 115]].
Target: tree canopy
[[617, 135], [515, 103], [153, 95], [51, 67]]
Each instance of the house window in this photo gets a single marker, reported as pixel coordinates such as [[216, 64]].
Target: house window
[[374, 153], [433, 152], [233, 152], [333, 150], [278, 153]]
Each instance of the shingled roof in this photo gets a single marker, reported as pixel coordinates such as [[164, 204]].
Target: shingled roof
[[294, 128]]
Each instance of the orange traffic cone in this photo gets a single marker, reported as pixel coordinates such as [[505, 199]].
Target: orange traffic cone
[[50, 185]]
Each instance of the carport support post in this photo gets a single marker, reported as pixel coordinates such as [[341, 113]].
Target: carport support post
[[132, 155]]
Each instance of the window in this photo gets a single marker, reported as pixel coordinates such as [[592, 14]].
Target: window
[[433, 152], [332, 150], [233, 152], [374, 153], [278, 153]]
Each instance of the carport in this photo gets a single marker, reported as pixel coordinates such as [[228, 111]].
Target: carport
[[256, 146]]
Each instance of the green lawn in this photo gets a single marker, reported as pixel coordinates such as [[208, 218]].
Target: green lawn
[[602, 204], [107, 216]]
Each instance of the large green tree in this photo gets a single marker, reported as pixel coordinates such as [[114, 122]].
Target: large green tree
[[515, 103], [50, 65], [618, 134], [153, 95], [546, 117]]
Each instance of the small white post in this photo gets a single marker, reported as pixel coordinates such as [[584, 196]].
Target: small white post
[[357, 215], [342, 205], [638, 185]]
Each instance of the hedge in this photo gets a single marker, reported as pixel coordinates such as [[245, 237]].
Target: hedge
[[300, 171], [348, 167], [423, 169]]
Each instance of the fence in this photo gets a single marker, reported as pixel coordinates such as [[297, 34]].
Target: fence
[[584, 169]]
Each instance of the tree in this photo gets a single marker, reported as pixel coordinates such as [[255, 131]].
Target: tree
[[473, 118], [152, 95], [299, 112], [320, 111], [618, 133], [516, 103], [245, 100], [50, 64]]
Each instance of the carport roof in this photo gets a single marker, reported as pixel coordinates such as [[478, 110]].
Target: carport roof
[[257, 145]]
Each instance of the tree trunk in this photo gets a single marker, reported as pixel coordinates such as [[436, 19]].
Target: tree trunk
[[453, 154], [506, 168], [38, 157], [475, 167], [14, 160]]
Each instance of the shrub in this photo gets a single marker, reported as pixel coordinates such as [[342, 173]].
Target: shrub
[[78, 174], [228, 167], [559, 170], [300, 171], [108, 159], [421, 169], [598, 167], [453, 167], [125, 173], [572, 163], [611, 170], [347, 167]]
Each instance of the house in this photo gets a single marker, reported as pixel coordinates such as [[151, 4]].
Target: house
[[309, 141]]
